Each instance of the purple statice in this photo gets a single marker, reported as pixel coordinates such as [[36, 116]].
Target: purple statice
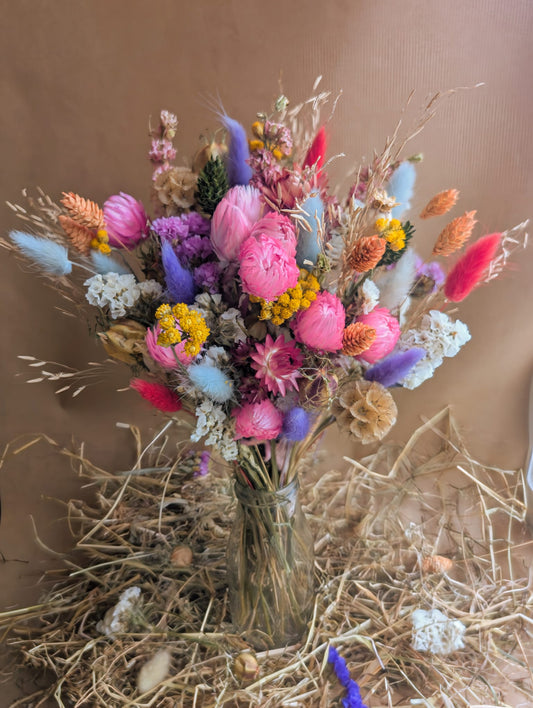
[[207, 276], [170, 228], [429, 277], [197, 224], [203, 464], [194, 248], [353, 695]]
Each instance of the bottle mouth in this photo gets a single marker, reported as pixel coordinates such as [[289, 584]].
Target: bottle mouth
[[248, 496]]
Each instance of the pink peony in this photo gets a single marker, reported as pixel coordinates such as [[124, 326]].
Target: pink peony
[[276, 364], [233, 220], [164, 355], [266, 269], [322, 324], [261, 421], [279, 227], [387, 333], [125, 221]]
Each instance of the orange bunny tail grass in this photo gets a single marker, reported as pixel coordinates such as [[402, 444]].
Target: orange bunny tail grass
[[80, 236], [158, 395], [455, 234], [470, 268], [84, 211], [440, 204], [357, 338]]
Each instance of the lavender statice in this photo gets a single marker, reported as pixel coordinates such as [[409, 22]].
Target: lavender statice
[[353, 695], [206, 277]]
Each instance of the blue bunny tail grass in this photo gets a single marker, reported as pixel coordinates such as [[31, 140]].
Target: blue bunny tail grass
[[309, 245], [394, 367], [178, 280], [212, 381], [353, 695], [238, 169], [106, 264], [50, 256], [401, 186]]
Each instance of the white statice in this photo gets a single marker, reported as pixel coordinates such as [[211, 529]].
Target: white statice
[[231, 326], [435, 633], [117, 619], [212, 423], [369, 294], [216, 356], [440, 336], [119, 292]]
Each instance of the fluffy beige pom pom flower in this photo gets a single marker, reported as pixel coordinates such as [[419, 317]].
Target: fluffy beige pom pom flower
[[366, 409]]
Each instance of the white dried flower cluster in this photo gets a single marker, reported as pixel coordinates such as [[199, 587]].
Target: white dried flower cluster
[[231, 327], [440, 336], [369, 294], [118, 618], [212, 423], [435, 633], [119, 292], [216, 356]]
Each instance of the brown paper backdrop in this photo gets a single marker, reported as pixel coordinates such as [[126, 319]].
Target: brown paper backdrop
[[79, 80]]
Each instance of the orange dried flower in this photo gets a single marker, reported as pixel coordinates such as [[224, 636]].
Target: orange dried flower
[[357, 338], [454, 235], [436, 564], [367, 253], [79, 235], [440, 204], [84, 211]]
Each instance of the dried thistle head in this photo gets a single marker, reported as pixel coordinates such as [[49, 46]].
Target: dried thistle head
[[366, 410], [366, 253]]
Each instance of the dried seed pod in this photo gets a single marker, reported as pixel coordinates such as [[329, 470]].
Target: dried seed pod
[[245, 667], [181, 557], [436, 564]]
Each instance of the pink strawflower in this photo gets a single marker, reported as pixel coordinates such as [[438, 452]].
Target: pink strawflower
[[164, 355], [321, 326], [233, 220], [261, 421], [266, 269], [387, 333], [125, 221], [279, 227], [277, 363]]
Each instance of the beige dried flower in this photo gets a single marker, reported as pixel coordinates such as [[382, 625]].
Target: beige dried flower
[[366, 253], [365, 409], [154, 671], [246, 667], [124, 341], [440, 204], [84, 211], [382, 202], [357, 338], [181, 557], [80, 236], [454, 235], [436, 564], [175, 189]]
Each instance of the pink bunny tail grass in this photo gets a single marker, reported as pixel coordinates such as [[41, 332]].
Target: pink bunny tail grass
[[317, 152], [158, 395], [470, 268]]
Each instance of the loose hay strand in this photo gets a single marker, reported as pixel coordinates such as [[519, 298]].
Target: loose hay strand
[[374, 523]]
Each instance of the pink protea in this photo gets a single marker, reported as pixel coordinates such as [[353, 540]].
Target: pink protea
[[321, 326], [233, 220], [276, 364], [261, 421], [387, 333], [164, 356], [125, 221], [279, 227], [266, 269]]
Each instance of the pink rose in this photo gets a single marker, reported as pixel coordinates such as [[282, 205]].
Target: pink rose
[[233, 220], [321, 326], [261, 421], [387, 333], [125, 221], [164, 356], [279, 227], [266, 269]]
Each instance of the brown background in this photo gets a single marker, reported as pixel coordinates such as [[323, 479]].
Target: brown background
[[79, 80]]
